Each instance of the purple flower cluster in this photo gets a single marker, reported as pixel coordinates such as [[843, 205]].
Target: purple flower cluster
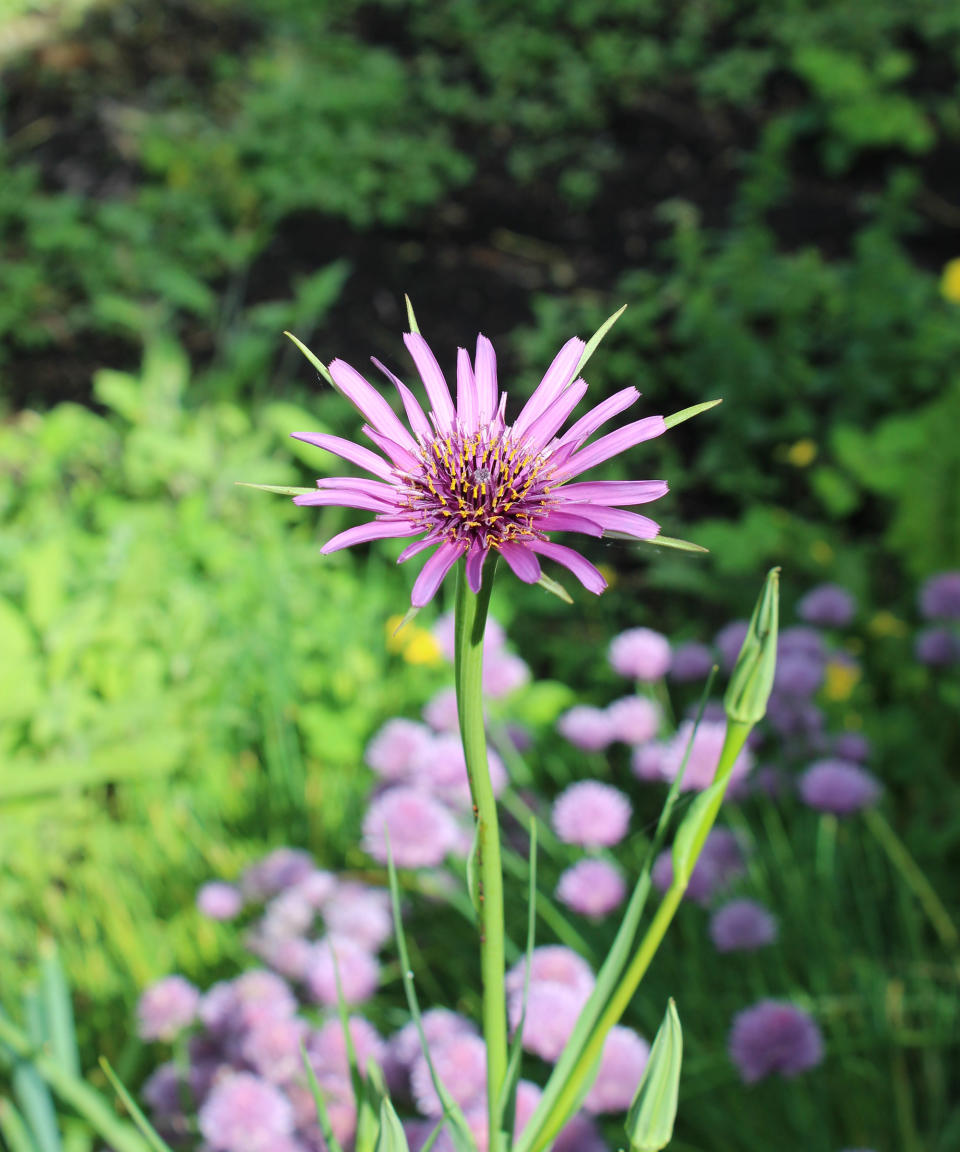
[[662, 761], [774, 1037], [742, 926], [838, 787], [940, 597], [641, 654], [629, 720], [722, 860], [591, 814]]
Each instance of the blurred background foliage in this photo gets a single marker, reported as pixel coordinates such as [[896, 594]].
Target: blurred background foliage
[[774, 191]]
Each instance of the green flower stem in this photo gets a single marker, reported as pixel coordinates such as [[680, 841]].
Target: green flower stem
[[470, 623], [590, 1056]]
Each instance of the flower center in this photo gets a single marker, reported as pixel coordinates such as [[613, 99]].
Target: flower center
[[479, 489]]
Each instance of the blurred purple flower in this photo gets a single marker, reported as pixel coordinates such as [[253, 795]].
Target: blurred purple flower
[[164, 1091], [729, 640], [624, 1058], [439, 1025], [798, 674], [742, 926], [167, 1008], [633, 719], [360, 913], [219, 901], [641, 654], [579, 1134], [461, 1064], [801, 639], [272, 1048], [358, 971], [940, 597], [443, 769], [839, 787], [591, 814], [937, 647], [552, 964], [690, 661], [828, 606], [721, 861], [592, 888], [795, 720], [327, 1047], [253, 998], [278, 870], [289, 955], [440, 712], [245, 1114], [704, 757], [288, 914], [397, 748], [504, 673], [585, 727], [422, 831], [551, 1015], [771, 1037], [851, 746]]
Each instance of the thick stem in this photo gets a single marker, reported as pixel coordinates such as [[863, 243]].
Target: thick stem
[[471, 619]]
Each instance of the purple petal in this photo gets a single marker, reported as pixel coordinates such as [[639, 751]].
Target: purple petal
[[416, 548], [431, 575], [524, 565], [432, 379], [589, 576], [544, 428], [466, 393], [566, 522], [374, 530], [339, 498], [557, 377], [475, 559], [592, 420], [415, 414], [610, 445], [616, 520], [368, 401], [347, 450], [404, 460], [615, 491], [386, 492], [486, 379]]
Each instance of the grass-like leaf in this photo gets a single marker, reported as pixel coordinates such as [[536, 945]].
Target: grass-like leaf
[[16, 1135], [150, 1134], [58, 1010], [323, 1116]]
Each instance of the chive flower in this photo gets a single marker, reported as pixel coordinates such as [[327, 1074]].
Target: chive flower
[[771, 1037], [463, 482]]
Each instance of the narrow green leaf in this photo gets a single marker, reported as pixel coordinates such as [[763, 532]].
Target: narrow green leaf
[[58, 1010], [153, 1138], [594, 342], [12, 1128], [693, 830], [280, 489], [550, 585], [320, 367], [652, 1114], [689, 413], [391, 1137], [411, 319], [29, 1088], [323, 1116]]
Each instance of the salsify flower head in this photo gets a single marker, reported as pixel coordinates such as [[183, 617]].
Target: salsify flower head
[[466, 483]]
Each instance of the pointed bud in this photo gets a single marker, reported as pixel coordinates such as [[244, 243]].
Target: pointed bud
[[650, 1120], [752, 678]]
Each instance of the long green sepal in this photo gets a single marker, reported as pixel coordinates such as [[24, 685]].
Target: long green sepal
[[688, 413], [653, 1112], [594, 342], [279, 489], [318, 364], [411, 319]]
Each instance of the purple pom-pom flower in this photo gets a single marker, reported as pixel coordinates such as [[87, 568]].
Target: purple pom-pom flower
[[592, 888], [640, 653], [774, 1037], [167, 1008], [591, 814], [219, 901], [742, 926], [587, 728], [940, 597], [839, 787], [421, 830], [245, 1114], [828, 606]]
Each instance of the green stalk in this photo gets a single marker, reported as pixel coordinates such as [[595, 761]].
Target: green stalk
[[470, 623], [576, 1084]]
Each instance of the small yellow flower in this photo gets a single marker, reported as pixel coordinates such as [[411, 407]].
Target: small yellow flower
[[886, 624], [609, 573], [950, 281], [802, 454], [422, 648], [840, 680]]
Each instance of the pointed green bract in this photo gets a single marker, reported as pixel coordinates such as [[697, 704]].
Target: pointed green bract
[[670, 542], [652, 1114], [320, 367], [548, 584], [693, 830], [594, 342], [411, 319], [688, 413], [752, 678], [280, 489], [409, 615], [391, 1137]]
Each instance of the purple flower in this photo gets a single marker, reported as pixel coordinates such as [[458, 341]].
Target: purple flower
[[774, 1036], [273, 1048], [585, 727], [839, 787], [440, 711], [795, 719], [439, 1025], [579, 1134], [219, 901], [327, 1047], [422, 831], [742, 926], [591, 814], [551, 1015], [729, 640], [552, 964], [443, 769], [851, 746], [245, 1114], [358, 971], [164, 1091], [801, 639], [166, 1008], [798, 674], [721, 860], [690, 662], [504, 673], [464, 482], [360, 913], [278, 870], [640, 653], [634, 719], [827, 605], [250, 1000], [937, 647], [289, 955], [622, 1063], [397, 748], [592, 888], [461, 1064], [288, 914], [940, 597], [704, 757]]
